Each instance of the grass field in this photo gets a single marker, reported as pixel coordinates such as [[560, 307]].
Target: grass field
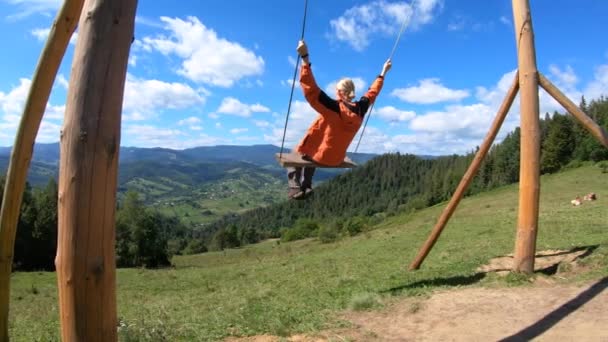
[[297, 287]]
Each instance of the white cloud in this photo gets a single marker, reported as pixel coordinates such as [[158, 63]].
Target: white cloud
[[503, 19], [134, 116], [193, 120], [54, 112], [11, 109], [432, 143], [43, 33], [148, 22], [425, 11], [261, 123], [495, 95], [455, 128], [358, 24], [392, 114], [62, 81], [152, 136], [374, 140], [292, 61], [232, 106], [300, 118], [238, 130], [428, 91], [599, 86], [287, 83], [29, 7], [13, 101], [457, 24], [566, 78], [133, 60], [48, 132], [207, 58], [467, 120], [150, 96], [459, 128]]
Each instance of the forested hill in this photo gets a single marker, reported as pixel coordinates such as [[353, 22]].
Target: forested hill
[[395, 182]]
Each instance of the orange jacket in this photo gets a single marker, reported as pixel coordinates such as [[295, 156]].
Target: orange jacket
[[329, 136]]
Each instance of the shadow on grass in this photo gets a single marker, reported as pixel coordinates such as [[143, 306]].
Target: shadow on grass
[[435, 282], [558, 314], [588, 250]]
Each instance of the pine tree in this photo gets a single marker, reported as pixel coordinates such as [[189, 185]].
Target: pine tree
[[558, 147]]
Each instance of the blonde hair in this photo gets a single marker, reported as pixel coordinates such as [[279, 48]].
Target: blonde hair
[[347, 87]]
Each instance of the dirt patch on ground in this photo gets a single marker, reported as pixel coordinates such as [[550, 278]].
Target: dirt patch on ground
[[542, 312], [548, 313], [544, 261]]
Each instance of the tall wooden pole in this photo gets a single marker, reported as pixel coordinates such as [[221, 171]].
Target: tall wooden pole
[[468, 176], [35, 104], [529, 174], [90, 141]]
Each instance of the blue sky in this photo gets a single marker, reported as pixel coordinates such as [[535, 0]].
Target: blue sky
[[219, 72]]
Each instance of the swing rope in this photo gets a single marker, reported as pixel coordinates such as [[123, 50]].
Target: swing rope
[[293, 82], [403, 26]]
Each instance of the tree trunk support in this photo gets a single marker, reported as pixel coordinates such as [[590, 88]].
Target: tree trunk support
[[90, 141], [21, 155], [529, 172], [596, 130]]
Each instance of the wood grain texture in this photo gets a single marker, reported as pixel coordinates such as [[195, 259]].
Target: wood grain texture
[[90, 140]]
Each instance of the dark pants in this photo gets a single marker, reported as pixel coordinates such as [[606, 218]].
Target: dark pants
[[300, 177]]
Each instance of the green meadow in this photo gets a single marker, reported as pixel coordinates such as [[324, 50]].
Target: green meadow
[[282, 288]]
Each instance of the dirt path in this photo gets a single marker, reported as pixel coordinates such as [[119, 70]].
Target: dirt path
[[542, 312], [545, 313]]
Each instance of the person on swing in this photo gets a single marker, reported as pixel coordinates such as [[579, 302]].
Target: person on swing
[[329, 136]]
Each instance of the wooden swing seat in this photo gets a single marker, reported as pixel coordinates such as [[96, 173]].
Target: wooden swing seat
[[296, 160]]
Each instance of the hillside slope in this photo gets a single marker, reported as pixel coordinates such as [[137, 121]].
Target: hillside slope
[[303, 287]]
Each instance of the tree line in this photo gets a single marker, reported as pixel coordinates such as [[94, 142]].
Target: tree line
[[144, 236]]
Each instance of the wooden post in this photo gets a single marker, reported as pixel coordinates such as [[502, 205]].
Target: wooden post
[[468, 176], [35, 104], [597, 131], [90, 140], [529, 174]]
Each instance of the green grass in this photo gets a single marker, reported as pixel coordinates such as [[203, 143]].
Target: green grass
[[298, 287]]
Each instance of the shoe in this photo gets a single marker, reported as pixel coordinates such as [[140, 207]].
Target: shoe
[[295, 193], [308, 192]]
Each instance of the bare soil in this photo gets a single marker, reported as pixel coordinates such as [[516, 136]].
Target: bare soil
[[544, 311]]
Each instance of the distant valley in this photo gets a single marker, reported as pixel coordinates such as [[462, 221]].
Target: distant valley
[[198, 184]]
